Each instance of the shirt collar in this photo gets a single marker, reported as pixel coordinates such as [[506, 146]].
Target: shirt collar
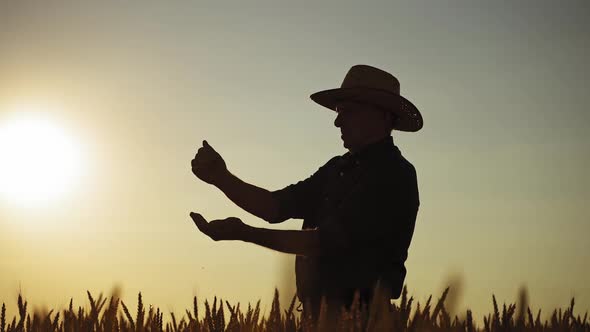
[[373, 150]]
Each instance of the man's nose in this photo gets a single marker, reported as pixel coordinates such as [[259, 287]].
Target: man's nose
[[338, 121]]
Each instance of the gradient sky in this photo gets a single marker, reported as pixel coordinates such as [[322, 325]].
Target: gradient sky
[[502, 159]]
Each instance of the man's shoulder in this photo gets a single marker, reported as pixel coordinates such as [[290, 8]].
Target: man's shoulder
[[332, 162], [395, 162], [393, 171]]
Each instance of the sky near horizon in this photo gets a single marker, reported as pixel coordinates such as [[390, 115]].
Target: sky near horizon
[[501, 161]]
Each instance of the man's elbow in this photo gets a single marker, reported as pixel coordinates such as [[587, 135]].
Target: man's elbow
[[273, 219], [273, 215], [311, 243]]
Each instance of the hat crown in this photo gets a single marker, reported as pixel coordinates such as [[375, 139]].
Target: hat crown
[[364, 76]]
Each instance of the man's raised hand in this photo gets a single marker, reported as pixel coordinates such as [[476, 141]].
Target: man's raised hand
[[208, 165]]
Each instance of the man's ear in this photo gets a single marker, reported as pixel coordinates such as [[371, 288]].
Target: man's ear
[[394, 118], [390, 119]]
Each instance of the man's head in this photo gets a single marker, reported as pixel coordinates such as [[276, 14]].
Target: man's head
[[362, 124], [373, 86]]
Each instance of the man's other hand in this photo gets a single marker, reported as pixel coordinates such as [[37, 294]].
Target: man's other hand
[[208, 165], [231, 228]]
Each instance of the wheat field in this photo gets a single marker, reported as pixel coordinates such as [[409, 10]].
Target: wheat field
[[219, 316]]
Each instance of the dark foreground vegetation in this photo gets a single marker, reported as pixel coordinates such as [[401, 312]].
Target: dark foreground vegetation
[[113, 315]]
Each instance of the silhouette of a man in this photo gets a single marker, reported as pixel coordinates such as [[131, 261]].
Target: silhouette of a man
[[359, 209]]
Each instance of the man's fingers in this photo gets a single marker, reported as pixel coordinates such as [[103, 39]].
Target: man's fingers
[[199, 221], [202, 159], [206, 145], [197, 217], [206, 156], [197, 162]]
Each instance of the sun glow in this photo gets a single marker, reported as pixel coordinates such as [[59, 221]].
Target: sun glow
[[38, 160]]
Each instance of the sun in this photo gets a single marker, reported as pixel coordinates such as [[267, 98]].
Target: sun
[[39, 162]]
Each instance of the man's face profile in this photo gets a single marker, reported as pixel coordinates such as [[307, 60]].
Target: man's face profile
[[360, 124]]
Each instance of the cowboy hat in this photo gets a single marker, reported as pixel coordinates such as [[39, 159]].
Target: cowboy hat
[[369, 85]]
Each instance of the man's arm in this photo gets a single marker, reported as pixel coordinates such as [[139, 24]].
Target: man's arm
[[258, 201], [301, 243], [294, 201]]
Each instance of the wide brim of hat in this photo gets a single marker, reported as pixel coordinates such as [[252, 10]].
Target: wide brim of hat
[[410, 118]]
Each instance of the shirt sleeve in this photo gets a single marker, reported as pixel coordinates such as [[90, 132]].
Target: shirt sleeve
[[379, 215], [297, 200]]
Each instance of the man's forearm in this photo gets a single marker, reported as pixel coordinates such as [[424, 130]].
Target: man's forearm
[[302, 243], [251, 198]]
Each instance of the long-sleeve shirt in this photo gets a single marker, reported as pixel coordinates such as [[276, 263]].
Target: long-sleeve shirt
[[365, 206]]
